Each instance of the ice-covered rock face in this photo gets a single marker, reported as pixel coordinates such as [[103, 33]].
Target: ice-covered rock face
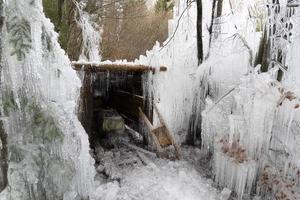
[[48, 150]]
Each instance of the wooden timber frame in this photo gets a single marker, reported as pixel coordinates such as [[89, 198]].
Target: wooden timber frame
[[85, 108], [161, 135], [115, 67]]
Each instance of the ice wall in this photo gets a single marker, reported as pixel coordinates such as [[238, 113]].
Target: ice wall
[[177, 91], [247, 119], [172, 90], [48, 150]]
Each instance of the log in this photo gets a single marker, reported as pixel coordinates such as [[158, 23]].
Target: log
[[139, 149], [114, 67], [131, 131]]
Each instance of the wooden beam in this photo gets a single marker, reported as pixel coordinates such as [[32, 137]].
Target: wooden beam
[[293, 5], [150, 127], [168, 132], [114, 67]]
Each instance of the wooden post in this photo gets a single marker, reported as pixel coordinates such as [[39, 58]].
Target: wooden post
[[151, 128], [85, 109]]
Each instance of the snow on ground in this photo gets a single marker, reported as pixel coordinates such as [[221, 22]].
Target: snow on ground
[[166, 180], [160, 179]]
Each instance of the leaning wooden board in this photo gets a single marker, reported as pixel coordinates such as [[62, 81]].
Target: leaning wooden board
[[161, 135]]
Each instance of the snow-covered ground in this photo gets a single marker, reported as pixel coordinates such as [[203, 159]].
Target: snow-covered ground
[[158, 179], [166, 180]]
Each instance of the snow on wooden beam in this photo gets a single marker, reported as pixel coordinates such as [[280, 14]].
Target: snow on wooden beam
[[114, 67], [293, 3]]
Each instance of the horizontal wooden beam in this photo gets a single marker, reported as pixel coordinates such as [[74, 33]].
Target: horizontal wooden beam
[[114, 67], [293, 5]]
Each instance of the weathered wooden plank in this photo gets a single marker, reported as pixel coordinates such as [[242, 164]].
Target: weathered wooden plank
[[85, 108], [114, 67], [168, 132], [163, 138]]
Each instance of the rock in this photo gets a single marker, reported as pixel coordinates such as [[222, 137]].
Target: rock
[[257, 198], [111, 121], [117, 155], [71, 196], [99, 153], [112, 171], [225, 194], [100, 168]]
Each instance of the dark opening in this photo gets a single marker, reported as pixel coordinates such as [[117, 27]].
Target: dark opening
[[109, 101]]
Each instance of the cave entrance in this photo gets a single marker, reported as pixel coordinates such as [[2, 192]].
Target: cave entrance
[[111, 96]]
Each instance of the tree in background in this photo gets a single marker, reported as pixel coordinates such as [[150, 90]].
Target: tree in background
[[164, 5], [129, 27], [58, 11], [136, 30]]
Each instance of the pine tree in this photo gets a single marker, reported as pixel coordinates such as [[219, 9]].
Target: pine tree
[[20, 36]]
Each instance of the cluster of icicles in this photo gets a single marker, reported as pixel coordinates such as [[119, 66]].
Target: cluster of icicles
[[258, 153]]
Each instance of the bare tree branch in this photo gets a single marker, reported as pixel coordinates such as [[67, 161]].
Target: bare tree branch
[[177, 25]]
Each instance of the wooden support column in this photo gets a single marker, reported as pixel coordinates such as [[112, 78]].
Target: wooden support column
[[85, 110], [151, 128]]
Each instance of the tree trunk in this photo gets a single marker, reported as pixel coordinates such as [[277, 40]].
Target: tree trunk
[[3, 135], [263, 53], [219, 8], [60, 11], [210, 30], [199, 31]]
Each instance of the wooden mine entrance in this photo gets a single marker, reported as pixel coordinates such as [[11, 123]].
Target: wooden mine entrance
[[117, 90]]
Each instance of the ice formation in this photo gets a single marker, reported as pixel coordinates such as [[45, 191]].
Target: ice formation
[[247, 119], [250, 124], [245, 115], [174, 104], [91, 34], [48, 149]]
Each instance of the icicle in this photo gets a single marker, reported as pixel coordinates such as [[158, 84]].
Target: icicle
[[48, 147]]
